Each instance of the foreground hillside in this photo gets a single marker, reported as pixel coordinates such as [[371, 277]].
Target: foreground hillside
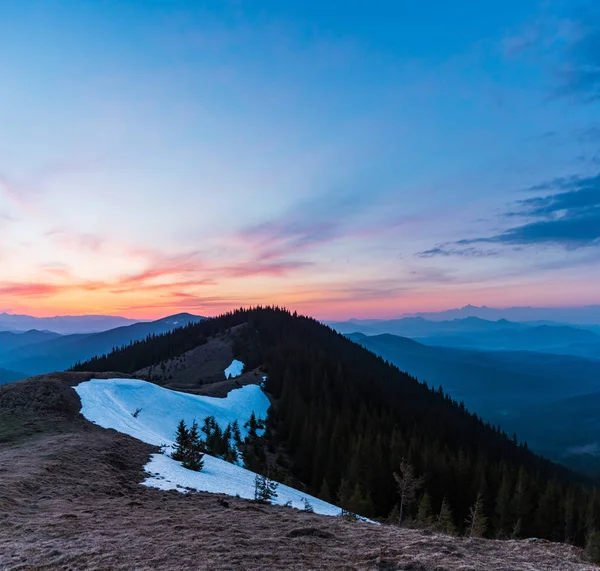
[[70, 498]]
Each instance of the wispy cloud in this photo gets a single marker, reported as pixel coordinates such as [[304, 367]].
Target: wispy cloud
[[30, 289], [462, 252], [567, 215], [580, 74], [564, 43]]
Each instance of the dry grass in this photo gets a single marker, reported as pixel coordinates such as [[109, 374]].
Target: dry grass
[[202, 365], [70, 499]]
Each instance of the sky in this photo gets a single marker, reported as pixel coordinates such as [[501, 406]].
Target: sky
[[341, 159]]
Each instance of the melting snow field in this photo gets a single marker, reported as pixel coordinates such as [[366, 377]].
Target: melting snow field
[[221, 477], [111, 403], [234, 370]]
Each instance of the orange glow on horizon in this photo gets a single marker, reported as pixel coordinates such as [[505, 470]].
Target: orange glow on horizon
[[322, 303]]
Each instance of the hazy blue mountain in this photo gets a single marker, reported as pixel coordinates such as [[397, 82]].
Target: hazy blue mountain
[[539, 396], [419, 327], [545, 338], [62, 352], [476, 333], [64, 325], [7, 376], [586, 315], [11, 340]]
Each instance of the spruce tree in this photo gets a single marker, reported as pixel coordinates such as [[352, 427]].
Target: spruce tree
[[394, 515], [252, 426], [265, 490], [408, 486], [324, 493], [195, 454], [445, 520], [522, 503], [477, 520], [344, 495], [235, 431], [425, 512], [189, 447], [182, 442], [592, 546], [504, 508]]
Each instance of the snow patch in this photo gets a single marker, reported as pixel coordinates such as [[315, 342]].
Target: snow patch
[[234, 370], [110, 403], [221, 477]]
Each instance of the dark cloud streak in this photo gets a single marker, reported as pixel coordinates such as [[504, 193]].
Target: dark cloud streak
[[568, 217]]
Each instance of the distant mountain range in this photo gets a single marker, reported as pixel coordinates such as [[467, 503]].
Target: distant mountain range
[[585, 315], [477, 333], [539, 396], [36, 352], [65, 325]]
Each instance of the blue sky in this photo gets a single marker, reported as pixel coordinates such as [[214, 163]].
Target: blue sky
[[344, 160]]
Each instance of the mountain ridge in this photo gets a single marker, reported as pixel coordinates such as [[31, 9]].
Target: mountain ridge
[[344, 419], [59, 352], [63, 324]]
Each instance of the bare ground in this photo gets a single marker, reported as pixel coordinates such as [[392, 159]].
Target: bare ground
[[200, 366], [70, 499]]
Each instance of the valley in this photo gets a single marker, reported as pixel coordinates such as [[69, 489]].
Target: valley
[[548, 400]]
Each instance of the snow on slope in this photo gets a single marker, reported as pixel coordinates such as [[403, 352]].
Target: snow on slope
[[234, 370], [110, 403], [221, 477]]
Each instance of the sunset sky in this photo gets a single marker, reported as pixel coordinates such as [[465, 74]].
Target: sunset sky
[[345, 159]]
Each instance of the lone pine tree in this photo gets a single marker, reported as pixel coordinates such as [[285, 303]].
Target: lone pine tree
[[408, 486], [265, 490], [445, 520], [477, 520], [189, 448]]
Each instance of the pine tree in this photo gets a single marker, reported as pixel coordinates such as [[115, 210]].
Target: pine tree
[[570, 511], [425, 512], [324, 493], [308, 507], [344, 496], [592, 546], [189, 447], [252, 426], [445, 520], [408, 486], [235, 431], [477, 520], [195, 453], [394, 515], [182, 441], [522, 502], [592, 516], [504, 508], [265, 490], [207, 426]]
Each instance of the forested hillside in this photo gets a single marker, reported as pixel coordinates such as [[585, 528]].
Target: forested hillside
[[343, 419]]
